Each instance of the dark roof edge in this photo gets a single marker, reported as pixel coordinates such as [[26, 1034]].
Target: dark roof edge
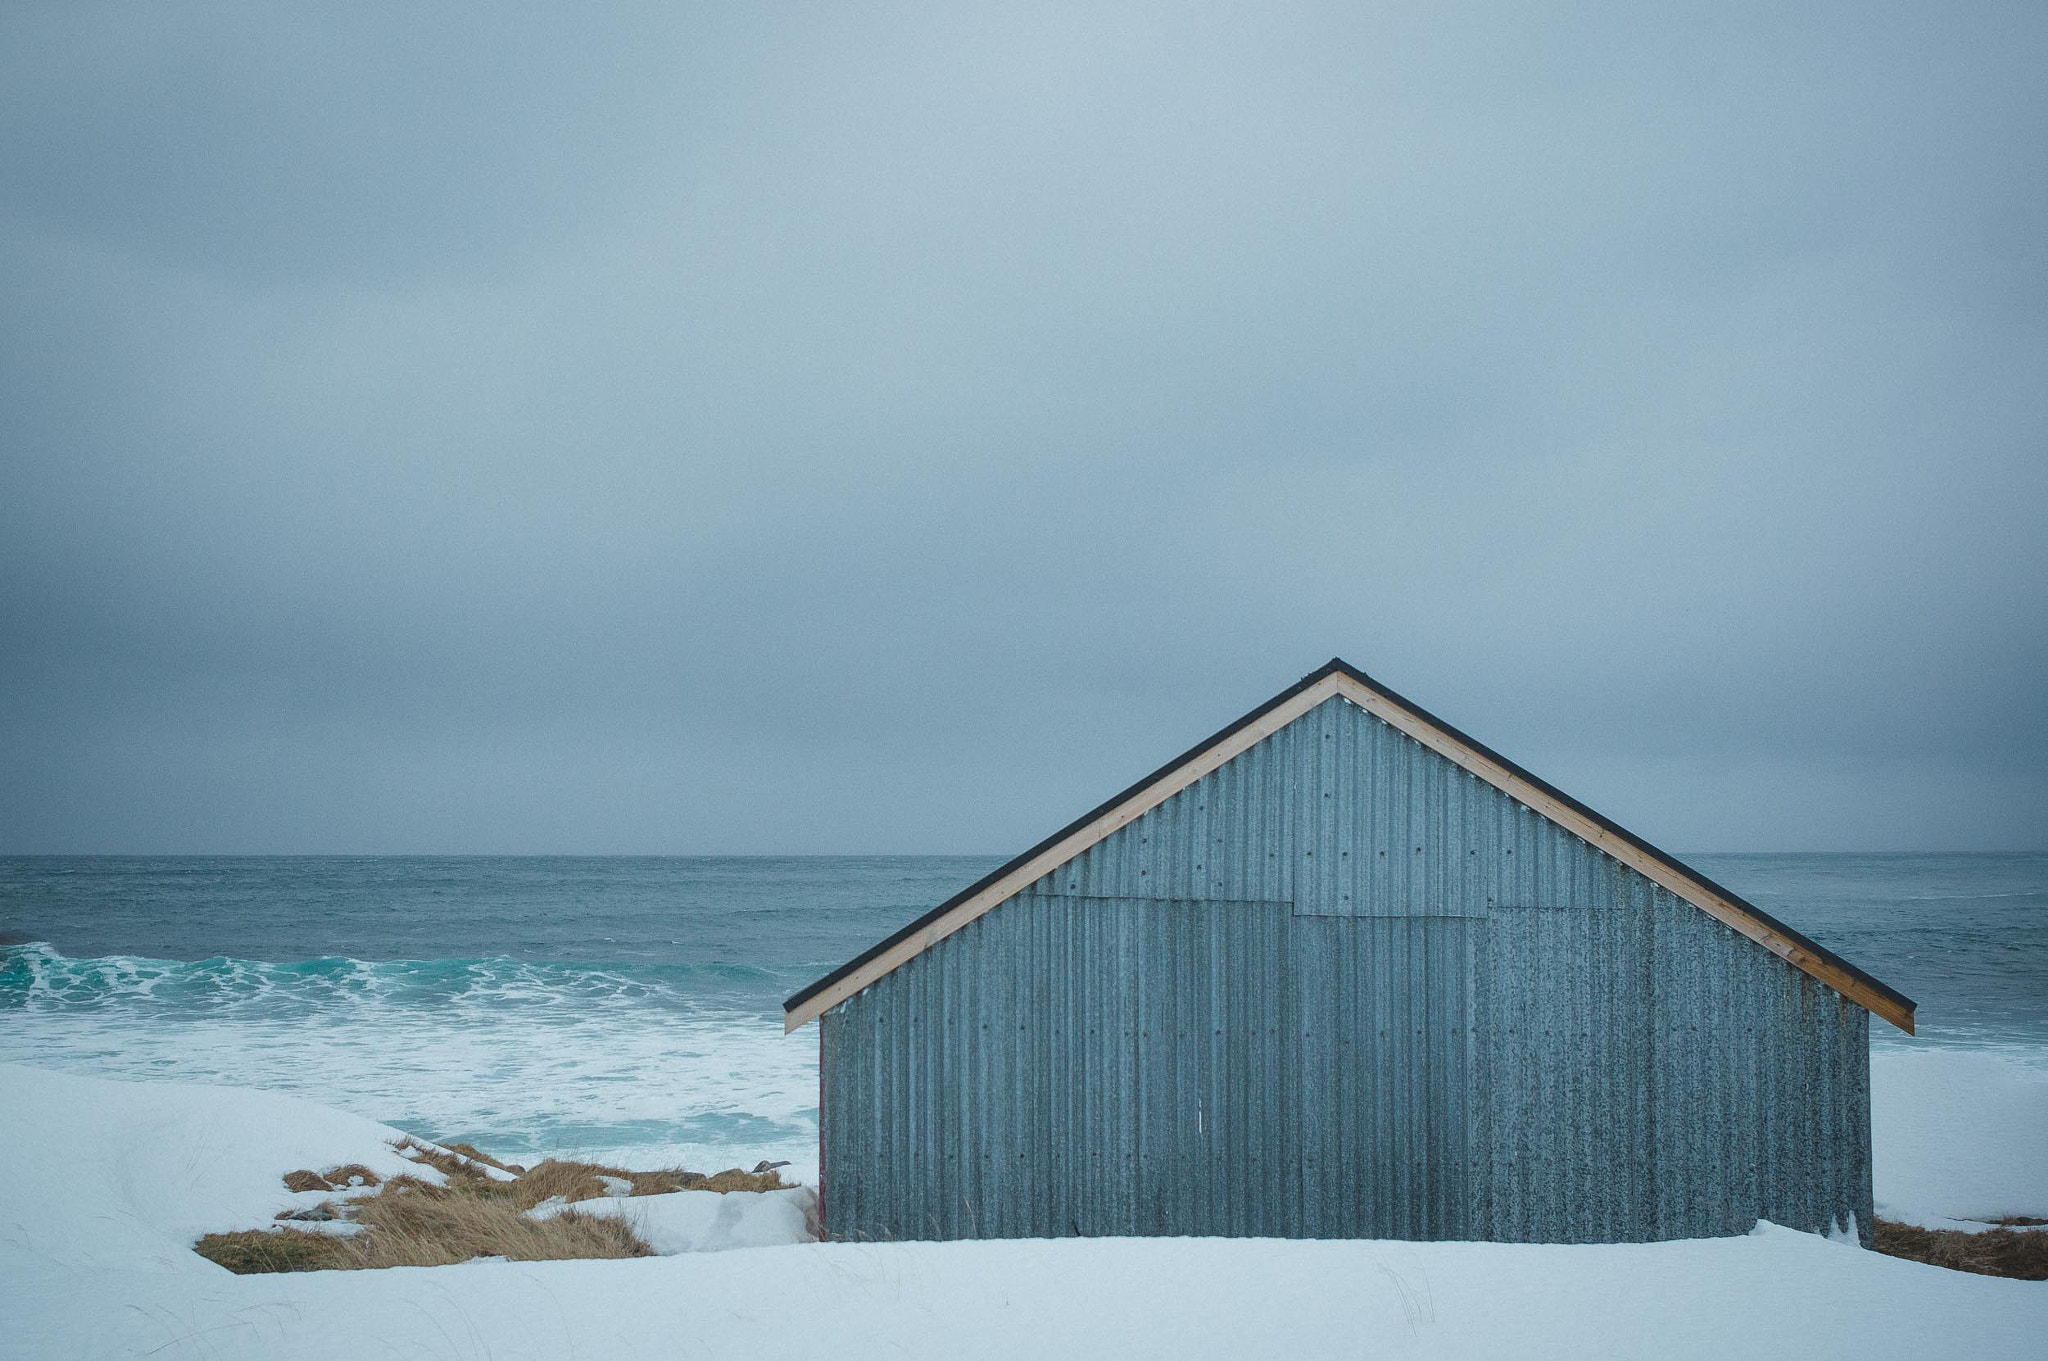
[[1337, 665]]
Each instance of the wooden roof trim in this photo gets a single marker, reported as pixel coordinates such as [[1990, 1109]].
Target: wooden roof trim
[[1335, 680]]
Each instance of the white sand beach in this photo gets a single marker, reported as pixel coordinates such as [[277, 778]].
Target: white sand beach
[[106, 1185]]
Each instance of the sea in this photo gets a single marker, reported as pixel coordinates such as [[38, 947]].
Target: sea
[[629, 1009]]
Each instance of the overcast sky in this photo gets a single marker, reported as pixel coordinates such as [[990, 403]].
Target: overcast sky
[[840, 429]]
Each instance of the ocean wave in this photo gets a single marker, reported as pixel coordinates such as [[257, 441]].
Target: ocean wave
[[36, 976], [524, 1060]]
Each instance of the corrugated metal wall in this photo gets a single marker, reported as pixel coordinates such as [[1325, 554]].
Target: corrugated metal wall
[[1341, 988]]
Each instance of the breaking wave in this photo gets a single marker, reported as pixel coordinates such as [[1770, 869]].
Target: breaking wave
[[648, 1065], [35, 976]]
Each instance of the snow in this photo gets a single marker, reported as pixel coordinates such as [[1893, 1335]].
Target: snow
[[704, 1221], [1959, 1136], [104, 1185], [1775, 1293], [128, 1175]]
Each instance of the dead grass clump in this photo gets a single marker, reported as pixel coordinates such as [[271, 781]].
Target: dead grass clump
[[350, 1174], [475, 1154], [410, 1221], [570, 1181], [580, 1181], [420, 1230], [251, 1251], [452, 1165], [660, 1183], [732, 1179], [405, 1183], [2019, 1253]]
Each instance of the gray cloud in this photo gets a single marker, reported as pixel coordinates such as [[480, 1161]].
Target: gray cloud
[[847, 429]]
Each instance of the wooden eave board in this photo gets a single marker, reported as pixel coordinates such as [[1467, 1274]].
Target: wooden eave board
[[1340, 680]]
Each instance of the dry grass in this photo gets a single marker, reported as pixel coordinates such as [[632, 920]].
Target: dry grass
[[579, 1181], [259, 1250], [404, 1182], [421, 1230], [410, 1229], [411, 1221], [2016, 1252], [475, 1154], [732, 1179], [351, 1174], [465, 1166], [449, 1163], [333, 1179]]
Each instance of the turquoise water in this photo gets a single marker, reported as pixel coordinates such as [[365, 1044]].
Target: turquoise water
[[630, 1007]]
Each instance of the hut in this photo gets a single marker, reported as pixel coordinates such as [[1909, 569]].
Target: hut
[[1341, 971]]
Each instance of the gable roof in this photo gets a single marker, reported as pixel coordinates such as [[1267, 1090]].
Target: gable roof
[[1338, 678]]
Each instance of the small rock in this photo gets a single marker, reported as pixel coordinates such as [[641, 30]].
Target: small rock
[[318, 1214]]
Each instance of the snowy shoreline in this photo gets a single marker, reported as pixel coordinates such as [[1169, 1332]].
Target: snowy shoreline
[[105, 1185], [1959, 1136]]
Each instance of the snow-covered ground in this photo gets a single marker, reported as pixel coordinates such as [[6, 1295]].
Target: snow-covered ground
[[104, 1185], [706, 1221], [1959, 1136], [127, 1175]]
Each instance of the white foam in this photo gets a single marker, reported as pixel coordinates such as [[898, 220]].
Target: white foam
[[638, 1085]]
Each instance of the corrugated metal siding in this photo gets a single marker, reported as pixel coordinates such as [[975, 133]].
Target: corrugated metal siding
[[1340, 813], [1341, 988]]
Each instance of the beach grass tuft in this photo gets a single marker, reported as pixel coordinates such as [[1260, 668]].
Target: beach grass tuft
[[255, 1251], [350, 1174], [475, 1154], [456, 1166], [409, 1229], [582, 1181], [417, 1230], [732, 1179]]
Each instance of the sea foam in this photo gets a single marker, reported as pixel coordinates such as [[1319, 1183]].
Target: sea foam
[[644, 1065]]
